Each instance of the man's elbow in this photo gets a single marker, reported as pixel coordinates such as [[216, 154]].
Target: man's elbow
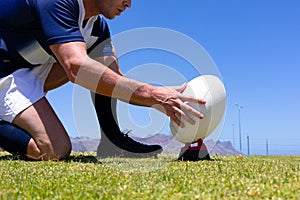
[[72, 68]]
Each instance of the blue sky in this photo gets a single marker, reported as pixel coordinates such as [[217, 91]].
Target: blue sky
[[256, 47]]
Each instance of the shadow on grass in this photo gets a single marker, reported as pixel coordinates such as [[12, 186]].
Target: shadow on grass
[[71, 158], [200, 160], [87, 158], [10, 157], [82, 159], [215, 158]]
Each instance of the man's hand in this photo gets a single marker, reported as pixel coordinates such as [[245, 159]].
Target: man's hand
[[176, 105], [179, 88]]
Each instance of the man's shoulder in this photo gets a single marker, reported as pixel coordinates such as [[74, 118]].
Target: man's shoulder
[[54, 3], [100, 26]]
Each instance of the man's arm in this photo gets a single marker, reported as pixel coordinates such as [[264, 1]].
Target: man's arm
[[113, 64], [93, 75]]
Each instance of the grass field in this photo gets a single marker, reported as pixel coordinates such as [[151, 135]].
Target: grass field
[[84, 177]]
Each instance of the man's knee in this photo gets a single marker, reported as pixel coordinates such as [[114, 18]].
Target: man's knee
[[64, 149], [61, 149], [33, 152]]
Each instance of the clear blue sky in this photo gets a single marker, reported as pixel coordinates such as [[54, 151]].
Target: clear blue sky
[[256, 47]]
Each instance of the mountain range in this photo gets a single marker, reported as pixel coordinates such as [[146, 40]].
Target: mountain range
[[169, 144]]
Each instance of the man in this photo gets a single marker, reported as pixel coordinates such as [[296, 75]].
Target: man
[[44, 44]]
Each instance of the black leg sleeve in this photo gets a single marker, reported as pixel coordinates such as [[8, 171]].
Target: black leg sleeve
[[124, 146], [13, 139], [106, 112]]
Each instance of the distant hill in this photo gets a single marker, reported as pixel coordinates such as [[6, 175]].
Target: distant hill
[[84, 144], [169, 144]]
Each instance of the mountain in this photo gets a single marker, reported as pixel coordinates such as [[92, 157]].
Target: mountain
[[84, 144], [169, 144]]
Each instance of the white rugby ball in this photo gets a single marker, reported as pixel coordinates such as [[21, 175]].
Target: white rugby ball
[[212, 90]]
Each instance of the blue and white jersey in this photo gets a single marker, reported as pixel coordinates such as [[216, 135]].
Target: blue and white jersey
[[29, 27]]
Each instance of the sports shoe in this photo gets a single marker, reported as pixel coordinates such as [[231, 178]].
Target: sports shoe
[[194, 152], [126, 147]]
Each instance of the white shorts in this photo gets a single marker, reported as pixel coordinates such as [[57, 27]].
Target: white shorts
[[22, 89]]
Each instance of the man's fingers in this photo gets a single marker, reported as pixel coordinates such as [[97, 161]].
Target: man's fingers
[[178, 109], [191, 111], [201, 101], [177, 120], [180, 88], [192, 99], [182, 115]]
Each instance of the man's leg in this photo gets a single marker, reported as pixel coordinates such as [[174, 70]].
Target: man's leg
[[14, 139], [113, 141], [35, 132], [49, 135]]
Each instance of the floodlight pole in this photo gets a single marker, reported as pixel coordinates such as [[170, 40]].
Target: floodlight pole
[[248, 144], [240, 129], [233, 137], [267, 147]]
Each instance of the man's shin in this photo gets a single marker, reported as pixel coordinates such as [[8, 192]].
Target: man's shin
[[106, 112]]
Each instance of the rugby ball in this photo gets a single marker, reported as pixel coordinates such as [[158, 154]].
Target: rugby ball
[[212, 90]]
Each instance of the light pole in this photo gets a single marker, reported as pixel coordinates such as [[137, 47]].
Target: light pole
[[240, 129], [248, 144], [233, 137]]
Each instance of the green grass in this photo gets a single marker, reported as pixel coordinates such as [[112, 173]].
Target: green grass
[[84, 177]]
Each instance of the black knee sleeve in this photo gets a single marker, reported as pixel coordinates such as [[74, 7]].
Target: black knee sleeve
[[13, 139], [106, 112]]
